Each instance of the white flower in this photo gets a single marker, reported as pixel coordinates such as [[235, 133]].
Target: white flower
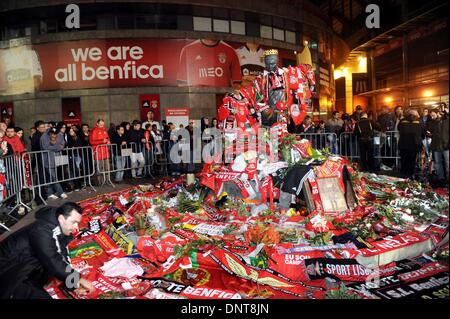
[[368, 225], [407, 218], [421, 214], [408, 211]]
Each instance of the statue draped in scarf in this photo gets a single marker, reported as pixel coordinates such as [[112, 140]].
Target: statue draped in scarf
[[283, 92]]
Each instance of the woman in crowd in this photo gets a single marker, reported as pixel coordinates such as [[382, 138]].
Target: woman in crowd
[[20, 134], [75, 157], [214, 123]]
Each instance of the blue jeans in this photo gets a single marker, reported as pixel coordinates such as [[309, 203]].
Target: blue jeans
[[55, 188], [120, 165], [441, 160]]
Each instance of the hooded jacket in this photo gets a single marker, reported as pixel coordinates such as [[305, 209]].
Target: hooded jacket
[[410, 132], [97, 137], [439, 134], [16, 144], [36, 252], [54, 149]]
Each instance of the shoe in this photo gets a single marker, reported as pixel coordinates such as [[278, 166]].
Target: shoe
[[21, 211], [52, 196], [385, 168], [63, 196], [77, 189], [138, 176]]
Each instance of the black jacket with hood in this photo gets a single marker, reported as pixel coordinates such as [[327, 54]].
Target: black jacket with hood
[[36, 252]]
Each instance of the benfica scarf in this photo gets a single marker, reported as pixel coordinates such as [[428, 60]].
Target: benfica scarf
[[297, 113], [234, 265]]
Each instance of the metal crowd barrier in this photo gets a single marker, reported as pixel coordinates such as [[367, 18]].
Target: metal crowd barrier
[[348, 145], [321, 141], [48, 168], [385, 146], [161, 156], [14, 178], [137, 158]]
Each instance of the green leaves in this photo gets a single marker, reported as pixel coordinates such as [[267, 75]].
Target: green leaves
[[342, 293], [229, 229]]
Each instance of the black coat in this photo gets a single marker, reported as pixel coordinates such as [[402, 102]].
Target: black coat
[[135, 137], [410, 135], [36, 141], [36, 252], [364, 129], [117, 140]]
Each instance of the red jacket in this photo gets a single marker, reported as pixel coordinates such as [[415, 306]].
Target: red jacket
[[96, 138], [16, 144]]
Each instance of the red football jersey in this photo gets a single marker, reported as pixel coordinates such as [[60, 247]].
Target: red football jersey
[[203, 65]]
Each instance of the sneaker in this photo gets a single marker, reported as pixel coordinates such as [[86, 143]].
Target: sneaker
[[385, 168], [52, 196], [21, 211], [77, 189], [63, 196]]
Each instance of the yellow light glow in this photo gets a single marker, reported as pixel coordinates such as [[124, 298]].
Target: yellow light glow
[[427, 93], [338, 74], [388, 99], [345, 72], [362, 64]]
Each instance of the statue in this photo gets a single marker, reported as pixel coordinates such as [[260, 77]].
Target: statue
[[283, 91], [273, 89]]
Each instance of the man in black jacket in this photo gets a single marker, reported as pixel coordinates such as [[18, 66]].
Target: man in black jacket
[[38, 252], [137, 139], [119, 141], [409, 143], [364, 130], [437, 128], [36, 160]]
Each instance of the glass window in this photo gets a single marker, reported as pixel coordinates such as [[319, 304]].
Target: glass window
[[290, 37], [266, 32], [146, 21], [202, 24], [221, 25], [125, 21], [168, 22], [278, 34], [185, 22], [87, 22], [252, 29], [106, 22], [238, 27]]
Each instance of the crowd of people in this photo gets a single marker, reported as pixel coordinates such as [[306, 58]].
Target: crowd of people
[[421, 140], [141, 149], [123, 149]]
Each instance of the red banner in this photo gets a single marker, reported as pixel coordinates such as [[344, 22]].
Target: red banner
[[150, 102], [129, 63]]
